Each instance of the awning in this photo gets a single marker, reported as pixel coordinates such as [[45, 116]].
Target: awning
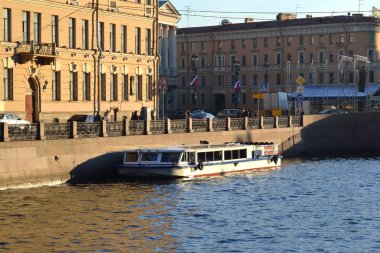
[[336, 91]]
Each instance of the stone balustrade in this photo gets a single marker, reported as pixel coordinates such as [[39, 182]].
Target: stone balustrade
[[74, 130]]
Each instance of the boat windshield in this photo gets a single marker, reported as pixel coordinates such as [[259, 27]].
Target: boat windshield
[[170, 157], [131, 157]]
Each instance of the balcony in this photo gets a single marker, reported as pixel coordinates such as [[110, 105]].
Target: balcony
[[42, 53]]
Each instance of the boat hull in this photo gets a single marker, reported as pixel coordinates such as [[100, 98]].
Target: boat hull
[[205, 170]]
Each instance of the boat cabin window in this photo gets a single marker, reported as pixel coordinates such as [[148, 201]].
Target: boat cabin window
[[131, 157], [210, 156], [149, 157], [188, 157], [235, 154], [170, 157]]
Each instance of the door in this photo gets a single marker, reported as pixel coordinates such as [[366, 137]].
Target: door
[[220, 102], [29, 107]]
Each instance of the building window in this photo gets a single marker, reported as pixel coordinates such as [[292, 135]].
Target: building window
[[103, 87], [113, 88], [220, 80], [101, 33], [371, 77], [203, 61], [183, 47], [84, 34], [265, 42], [203, 81], [203, 99], [278, 79], [254, 43], [311, 78], [183, 81], [266, 59], [7, 25], [321, 81], [331, 41], [321, 39], [301, 56], [139, 87], [289, 57], [37, 27], [123, 37], [244, 44], [351, 38], [183, 62], [320, 57], [219, 60], [233, 44], [26, 26], [351, 53], [72, 33], [254, 79], [254, 60], [331, 56], [73, 86], [301, 40], [278, 42], [243, 98], [243, 60], [149, 87], [125, 87], [311, 57], [203, 45], [148, 41], [137, 40], [112, 38], [219, 45], [183, 99], [311, 40], [87, 86], [371, 55], [289, 41], [331, 77], [54, 30], [341, 38], [278, 58], [192, 44], [56, 85], [8, 84]]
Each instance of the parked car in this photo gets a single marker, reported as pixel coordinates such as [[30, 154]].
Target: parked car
[[333, 111], [232, 113], [202, 115], [84, 118], [179, 115], [12, 119]]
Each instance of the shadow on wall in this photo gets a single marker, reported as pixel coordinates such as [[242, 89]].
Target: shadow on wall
[[99, 169]]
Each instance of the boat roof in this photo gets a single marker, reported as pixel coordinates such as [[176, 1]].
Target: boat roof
[[190, 148]]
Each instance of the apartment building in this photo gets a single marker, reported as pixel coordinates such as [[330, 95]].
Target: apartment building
[[65, 57], [275, 53]]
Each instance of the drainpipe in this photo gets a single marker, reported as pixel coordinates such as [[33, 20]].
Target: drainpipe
[[100, 54]]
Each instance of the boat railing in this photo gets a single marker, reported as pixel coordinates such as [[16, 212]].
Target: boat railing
[[72, 130]]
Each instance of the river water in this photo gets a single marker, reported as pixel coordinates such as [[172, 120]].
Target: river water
[[310, 205]]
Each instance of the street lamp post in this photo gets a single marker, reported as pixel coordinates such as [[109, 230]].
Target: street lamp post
[[194, 58], [235, 69]]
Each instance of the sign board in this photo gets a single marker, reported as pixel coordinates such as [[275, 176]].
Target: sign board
[[300, 89], [264, 87], [300, 80], [258, 95], [162, 85], [276, 112], [276, 100]]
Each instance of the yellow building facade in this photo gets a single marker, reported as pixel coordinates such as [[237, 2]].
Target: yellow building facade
[[65, 57], [275, 53]]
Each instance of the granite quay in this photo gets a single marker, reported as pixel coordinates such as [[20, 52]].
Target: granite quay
[[72, 156]]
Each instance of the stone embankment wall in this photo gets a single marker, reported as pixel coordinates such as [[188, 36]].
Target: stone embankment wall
[[42, 162]]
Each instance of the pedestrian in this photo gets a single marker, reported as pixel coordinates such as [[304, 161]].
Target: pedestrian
[[134, 116]]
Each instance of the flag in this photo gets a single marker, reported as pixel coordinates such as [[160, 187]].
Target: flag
[[237, 86], [194, 82]]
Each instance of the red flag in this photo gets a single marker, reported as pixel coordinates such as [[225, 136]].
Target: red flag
[[194, 82], [237, 87]]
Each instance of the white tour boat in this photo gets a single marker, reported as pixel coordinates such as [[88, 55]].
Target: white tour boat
[[202, 160]]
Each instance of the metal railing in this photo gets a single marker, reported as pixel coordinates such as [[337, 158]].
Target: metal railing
[[53, 131]]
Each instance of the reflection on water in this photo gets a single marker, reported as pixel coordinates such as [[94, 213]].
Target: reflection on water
[[312, 205]]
